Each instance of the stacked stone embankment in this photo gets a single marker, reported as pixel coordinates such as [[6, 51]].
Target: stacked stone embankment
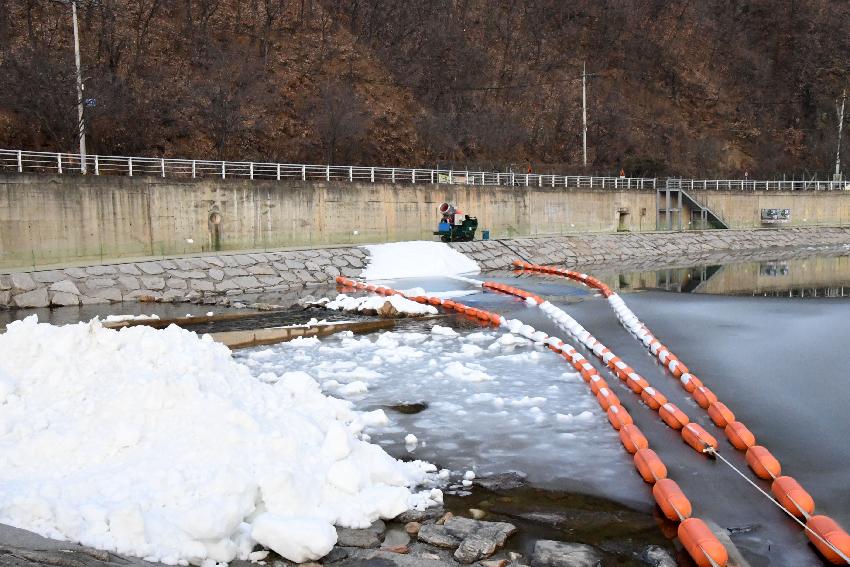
[[587, 249], [204, 278], [181, 279]]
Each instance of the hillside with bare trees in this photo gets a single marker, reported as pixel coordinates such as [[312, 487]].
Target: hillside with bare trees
[[678, 88]]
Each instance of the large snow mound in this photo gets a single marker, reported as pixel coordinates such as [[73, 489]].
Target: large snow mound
[[158, 444], [416, 259]]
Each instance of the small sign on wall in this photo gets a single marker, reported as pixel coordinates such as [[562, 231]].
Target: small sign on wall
[[770, 216]]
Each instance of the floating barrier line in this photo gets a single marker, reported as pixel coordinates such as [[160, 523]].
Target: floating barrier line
[[759, 459], [781, 507], [701, 544], [652, 397]]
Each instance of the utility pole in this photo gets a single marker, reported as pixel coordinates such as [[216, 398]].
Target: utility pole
[[840, 112], [584, 109], [584, 77], [81, 125]]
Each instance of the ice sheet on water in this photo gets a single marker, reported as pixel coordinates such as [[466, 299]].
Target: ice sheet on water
[[512, 405]]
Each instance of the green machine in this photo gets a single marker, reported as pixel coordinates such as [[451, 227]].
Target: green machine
[[454, 225]]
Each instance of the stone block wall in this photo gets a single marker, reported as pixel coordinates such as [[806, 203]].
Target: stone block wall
[[214, 276], [181, 279], [589, 249]]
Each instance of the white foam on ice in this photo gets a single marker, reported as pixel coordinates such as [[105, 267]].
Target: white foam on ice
[[490, 425]]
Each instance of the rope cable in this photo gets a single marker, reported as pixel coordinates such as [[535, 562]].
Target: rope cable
[[711, 451]]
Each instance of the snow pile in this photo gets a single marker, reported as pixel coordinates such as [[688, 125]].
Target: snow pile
[[158, 444], [376, 303], [416, 259]]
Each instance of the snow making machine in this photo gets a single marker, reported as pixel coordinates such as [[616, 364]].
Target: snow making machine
[[454, 225]]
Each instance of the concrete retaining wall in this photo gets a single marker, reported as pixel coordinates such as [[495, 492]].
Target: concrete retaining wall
[[56, 220], [210, 277], [60, 220]]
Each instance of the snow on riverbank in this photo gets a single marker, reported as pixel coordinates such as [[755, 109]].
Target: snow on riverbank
[[158, 444], [416, 259]]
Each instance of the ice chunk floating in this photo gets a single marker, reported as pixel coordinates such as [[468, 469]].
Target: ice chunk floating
[[158, 444]]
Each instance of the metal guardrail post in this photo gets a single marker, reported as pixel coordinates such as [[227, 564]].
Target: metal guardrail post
[[350, 173], [432, 177], [222, 170], [162, 166], [392, 175], [526, 179], [130, 166], [372, 174], [278, 172], [303, 173], [451, 177], [327, 172], [413, 176], [59, 162], [193, 169], [20, 162], [96, 165], [251, 170]]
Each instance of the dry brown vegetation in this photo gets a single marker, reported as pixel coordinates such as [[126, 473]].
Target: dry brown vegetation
[[703, 87]]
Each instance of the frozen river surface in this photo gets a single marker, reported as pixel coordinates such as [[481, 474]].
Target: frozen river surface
[[496, 402]]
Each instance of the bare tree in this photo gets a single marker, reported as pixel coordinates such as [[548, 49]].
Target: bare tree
[[339, 120]]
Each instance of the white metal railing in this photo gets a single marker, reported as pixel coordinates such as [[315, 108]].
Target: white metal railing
[[23, 161], [755, 185]]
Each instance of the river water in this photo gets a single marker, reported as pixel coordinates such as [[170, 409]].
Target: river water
[[769, 337]]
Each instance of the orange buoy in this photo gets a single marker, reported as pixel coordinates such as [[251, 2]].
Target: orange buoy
[[632, 438], [612, 362], [697, 437], [484, 315], [636, 383], [677, 368], [704, 397], [740, 437], [701, 544], [792, 496], [763, 463], [671, 500], [371, 288], [690, 382], [597, 382], [673, 416], [720, 414], [496, 319], [420, 299], [618, 416], [607, 398], [624, 372], [341, 280], [435, 301], [653, 398], [649, 465], [828, 529]]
